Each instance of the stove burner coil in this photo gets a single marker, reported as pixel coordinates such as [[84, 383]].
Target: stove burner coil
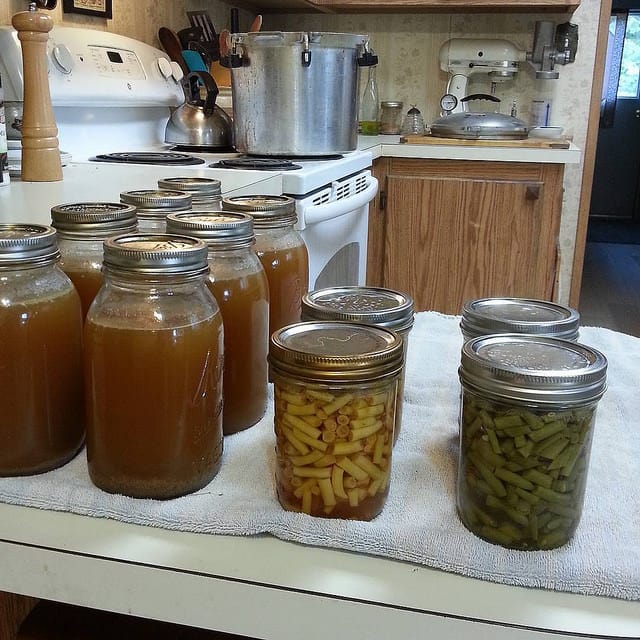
[[259, 164], [149, 157]]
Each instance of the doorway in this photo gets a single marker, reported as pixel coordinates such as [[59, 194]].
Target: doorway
[[615, 195], [610, 293]]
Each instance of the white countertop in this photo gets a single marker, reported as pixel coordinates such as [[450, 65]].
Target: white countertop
[[390, 146]]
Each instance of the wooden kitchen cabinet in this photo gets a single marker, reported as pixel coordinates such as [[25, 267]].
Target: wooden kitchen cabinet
[[406, 6], [447, 231]]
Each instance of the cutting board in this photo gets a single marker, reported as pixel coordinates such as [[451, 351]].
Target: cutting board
[[525, 143]]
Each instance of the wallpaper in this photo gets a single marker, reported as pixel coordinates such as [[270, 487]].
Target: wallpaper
[[408, 46]]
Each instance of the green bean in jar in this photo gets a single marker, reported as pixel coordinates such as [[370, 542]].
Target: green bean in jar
[[526, 425]]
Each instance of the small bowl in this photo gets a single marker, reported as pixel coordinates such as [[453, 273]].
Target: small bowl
[[545, 132]]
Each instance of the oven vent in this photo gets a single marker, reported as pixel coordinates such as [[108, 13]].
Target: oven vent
[[339, 190]]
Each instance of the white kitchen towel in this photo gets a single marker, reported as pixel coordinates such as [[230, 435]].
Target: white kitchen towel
[[419, 522]]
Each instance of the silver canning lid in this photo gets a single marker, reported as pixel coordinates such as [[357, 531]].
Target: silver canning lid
[[519, 315], [266, 211], [336, 352], [93, 219], [155, 254], [533, 369], [226, 229], [157, 200], [392, 104], [370, 305], [197, 187], [27, 245]]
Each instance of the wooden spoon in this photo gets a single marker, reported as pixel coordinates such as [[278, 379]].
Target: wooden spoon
[[256, 25], [171, 44]]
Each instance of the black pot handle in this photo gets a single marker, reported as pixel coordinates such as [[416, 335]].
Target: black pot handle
[[480, 96], [211, 88]]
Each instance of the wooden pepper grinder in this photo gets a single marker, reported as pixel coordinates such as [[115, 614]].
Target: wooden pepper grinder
[[40, 152]]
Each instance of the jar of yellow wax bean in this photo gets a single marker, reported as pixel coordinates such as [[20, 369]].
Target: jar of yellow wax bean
[[335, 390]]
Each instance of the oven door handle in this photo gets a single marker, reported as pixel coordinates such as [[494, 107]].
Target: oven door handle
[[314, 214]]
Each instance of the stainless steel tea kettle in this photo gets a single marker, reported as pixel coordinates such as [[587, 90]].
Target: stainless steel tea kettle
[[200, 122]]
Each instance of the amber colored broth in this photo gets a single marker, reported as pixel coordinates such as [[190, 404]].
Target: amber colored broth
[[288, 275], [154, 407], [42, 417], [244, 306], [87, 283]]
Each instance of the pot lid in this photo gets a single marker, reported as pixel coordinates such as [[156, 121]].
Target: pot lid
[[479, 125]]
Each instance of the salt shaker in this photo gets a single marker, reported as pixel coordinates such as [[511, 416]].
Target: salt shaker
[[413, 123]]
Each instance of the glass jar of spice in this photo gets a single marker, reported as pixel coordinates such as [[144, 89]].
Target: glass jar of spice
[[281, 250], [153, 363], [527, 420], [42, 417], [239, 284], [335, 388], [82, 228]]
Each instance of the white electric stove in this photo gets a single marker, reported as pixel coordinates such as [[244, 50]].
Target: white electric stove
[[113, 95]]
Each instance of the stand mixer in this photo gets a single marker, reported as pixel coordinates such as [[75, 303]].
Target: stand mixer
[[465, 57], [500, 60]]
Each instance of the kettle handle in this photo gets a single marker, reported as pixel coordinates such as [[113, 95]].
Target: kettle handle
[[211, 90]]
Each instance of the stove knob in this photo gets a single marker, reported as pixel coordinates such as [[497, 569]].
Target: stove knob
[[178, 74], [165, 67], [62, 58]]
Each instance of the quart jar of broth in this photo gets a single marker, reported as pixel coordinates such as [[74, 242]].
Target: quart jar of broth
[[527, 420], [153, 369], [335, 389], [153, 206], [368, 305], [239, 285], [206, 193], [82, 228], [281, 250], [485, 316], [42, 416]]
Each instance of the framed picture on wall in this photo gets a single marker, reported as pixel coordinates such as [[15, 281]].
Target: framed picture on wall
[[98, 8]]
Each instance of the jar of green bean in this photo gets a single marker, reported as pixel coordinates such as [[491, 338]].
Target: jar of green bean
[[527, 418]]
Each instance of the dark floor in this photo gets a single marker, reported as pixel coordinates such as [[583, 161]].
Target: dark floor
[[610, 294]]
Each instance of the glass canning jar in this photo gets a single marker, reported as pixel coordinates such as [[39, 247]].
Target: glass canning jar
[[368, 305], [153, 369], [527, 420], [239, 285], [82, 228], [335, 388], [206, 193], [485, 316], [390, 117], [42, 417], [153, 206], [281, 250]]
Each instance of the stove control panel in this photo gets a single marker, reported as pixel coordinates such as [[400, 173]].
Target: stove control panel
[[94, 68]]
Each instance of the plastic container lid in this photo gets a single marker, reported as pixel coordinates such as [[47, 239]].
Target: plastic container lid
[[369, 305], [27, 245], [519, 315], [533, 369], [336, 352]]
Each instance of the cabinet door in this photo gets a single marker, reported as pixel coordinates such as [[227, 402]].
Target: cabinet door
[[455, 231]]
